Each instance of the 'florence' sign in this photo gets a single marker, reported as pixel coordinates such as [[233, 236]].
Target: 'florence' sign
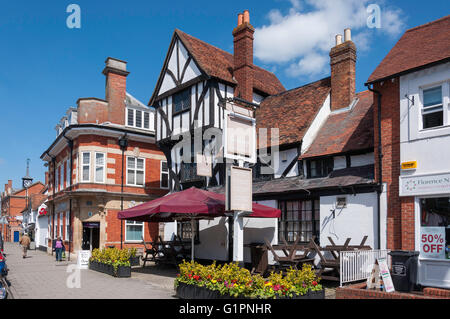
[[425, 185]]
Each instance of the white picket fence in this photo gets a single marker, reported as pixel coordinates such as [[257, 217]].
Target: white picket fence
[[357, 265]]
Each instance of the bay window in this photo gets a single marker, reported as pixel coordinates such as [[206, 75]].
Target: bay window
[[135, 171]]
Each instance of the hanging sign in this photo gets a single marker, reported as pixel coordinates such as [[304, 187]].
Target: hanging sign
[[43, 211], [204, 167], [432, 242], [240, 189]]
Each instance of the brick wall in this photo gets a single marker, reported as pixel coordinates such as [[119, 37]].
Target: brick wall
[[400, 211], [359, 291]]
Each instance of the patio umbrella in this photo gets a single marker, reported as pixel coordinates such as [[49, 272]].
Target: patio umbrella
[[192, 203]]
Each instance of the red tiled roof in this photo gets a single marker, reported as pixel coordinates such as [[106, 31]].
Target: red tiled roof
[[347, 131], [420, 46], [293, 111], [37, 200], [218, 63]]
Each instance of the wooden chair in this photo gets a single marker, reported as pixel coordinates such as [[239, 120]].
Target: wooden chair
[[152, 251]]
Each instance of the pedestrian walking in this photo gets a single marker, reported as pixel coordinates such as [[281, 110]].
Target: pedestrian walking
[[59, 246], [25, 243]]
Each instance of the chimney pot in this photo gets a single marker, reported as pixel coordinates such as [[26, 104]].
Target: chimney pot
[[338, 39], [348, 35], [240, 18], [246, 16]]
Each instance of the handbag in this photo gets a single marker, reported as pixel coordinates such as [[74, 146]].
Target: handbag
[[63, 254]]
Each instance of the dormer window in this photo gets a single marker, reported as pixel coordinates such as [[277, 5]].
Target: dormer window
[[320, 168], [182, 101], [139, 119]]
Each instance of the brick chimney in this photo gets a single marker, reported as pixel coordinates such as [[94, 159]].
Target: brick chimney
[[343, 65], [243, 57], [116, 86]]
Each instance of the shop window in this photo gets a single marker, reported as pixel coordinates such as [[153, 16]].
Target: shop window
[[299, 218], [135, 171], [164, 175], [184, 230], [435, 213], [432, 112], [320, 168], [134, 230], [61, 225], [182, 101]]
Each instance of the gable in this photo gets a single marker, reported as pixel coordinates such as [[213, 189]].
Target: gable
[[179, 68]]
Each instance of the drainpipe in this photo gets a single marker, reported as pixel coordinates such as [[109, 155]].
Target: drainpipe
[[53, 201], [70, 143], [380, 159]]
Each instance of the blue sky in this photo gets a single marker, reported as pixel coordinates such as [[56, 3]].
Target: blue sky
[[46, 66]]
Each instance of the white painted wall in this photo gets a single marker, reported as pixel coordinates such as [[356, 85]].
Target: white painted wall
[[289, 155], [315, 126], [340, 162], [358, 219]]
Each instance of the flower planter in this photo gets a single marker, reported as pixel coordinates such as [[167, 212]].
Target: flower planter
[[123, 272], [185, 291], [134, 261]]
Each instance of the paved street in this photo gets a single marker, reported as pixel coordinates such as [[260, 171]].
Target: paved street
[[40, 277]]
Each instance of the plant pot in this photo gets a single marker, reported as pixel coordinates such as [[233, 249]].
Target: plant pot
[[134, 261], [317, 294], [123, 272]]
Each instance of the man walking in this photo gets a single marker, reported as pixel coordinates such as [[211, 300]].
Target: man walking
[[25, 242]]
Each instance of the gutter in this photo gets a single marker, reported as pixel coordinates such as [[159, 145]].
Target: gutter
[[380, 159]]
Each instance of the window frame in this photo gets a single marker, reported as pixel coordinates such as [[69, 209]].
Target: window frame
[[185, 91], [181, 224], [143, 114], [61, 225], [104, 168], [68, 172], [83, 165], [424, 110], [323, 161], [161, 175], [135, 171], [315, 220], [67, 219], [134, 223]]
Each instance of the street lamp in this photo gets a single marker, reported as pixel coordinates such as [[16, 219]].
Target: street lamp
[[26, 183], [123, 143]]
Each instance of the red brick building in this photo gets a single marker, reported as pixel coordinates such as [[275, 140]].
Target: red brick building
[[412, 127], [14, 202], [103, 159]]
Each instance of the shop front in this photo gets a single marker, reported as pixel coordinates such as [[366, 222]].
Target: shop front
[[432, 230]]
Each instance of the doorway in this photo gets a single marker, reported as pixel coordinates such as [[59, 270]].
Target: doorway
[[16, 236], [91, 236]]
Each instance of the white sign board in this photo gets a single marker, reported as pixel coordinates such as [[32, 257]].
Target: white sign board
[[385, 275], [240, 137], [241, 189], [204, 166], [432, 242], [424, 185], [83, 259]]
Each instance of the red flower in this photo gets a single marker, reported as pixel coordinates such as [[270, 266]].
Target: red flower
[[314, 283]]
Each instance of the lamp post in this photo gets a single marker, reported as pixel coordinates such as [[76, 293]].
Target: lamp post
[[26, 183], [123, 143]]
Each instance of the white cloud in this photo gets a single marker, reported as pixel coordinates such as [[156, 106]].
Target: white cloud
[[301, 40]]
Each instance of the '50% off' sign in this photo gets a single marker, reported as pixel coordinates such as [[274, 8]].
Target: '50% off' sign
[[432, 243]]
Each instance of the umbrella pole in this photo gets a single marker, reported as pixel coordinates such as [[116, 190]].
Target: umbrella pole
[[192, 239]]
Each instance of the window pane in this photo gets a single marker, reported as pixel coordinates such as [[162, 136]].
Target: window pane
[[140, 163], [130, 176], [164, 180], [138, 118], [146, 120], [164, 167], [139, 177], [99, 159], [99, 174], [432, 96], [131, 162], [86, 158], [85, 173], [130, 120], [182, 100], [433, 119]]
